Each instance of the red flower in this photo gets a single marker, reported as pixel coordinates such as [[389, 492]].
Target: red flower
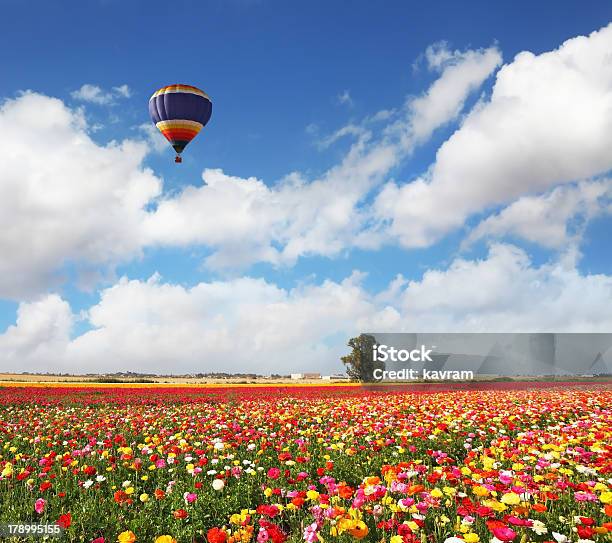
[[298, 502], [215, 535], [159, 494], [273, 473], [268, 510], [120, 496], [585, 532], [64, 521], [180, 514]]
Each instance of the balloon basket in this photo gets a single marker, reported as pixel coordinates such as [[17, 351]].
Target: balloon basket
[[178, 159]]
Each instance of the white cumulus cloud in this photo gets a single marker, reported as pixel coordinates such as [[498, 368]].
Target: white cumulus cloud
[[64, 198], [96, 95], [547, 122], [248, 324]]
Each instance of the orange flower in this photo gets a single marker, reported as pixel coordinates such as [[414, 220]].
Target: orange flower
[[345, 492], [159, 494], [359, 530], [126, 537], [180, 514]]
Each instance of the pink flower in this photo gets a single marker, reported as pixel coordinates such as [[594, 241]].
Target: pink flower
[[190, 497], [310, 533], [504, 533], [39, 505], [273, 473], [585, 497]]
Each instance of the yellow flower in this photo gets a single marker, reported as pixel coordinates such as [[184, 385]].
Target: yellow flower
[[312, 495], [495, 505], [165, 539], [144, 498], [412, 525], [129, 490], [605, 497], [480, 491], [471, 538], [127, 537], [396, 539], [436, 493], [512, 498]]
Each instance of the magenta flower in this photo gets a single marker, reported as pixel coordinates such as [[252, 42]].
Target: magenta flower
[[39, 505], [504, 533]]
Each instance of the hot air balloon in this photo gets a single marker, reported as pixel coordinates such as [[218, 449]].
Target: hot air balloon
[[180, 112]]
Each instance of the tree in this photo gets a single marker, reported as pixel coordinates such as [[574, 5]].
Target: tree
[[360, 363]]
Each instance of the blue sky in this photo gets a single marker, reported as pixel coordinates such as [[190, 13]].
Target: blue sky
[[283, 78]]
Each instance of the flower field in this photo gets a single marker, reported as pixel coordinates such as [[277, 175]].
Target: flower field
[[512, 462]]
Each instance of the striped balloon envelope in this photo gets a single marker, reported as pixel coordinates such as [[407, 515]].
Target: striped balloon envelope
[[180, 112]]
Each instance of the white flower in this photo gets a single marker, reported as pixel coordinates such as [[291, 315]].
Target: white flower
[[87, 483], [539, 527], [453, 540], [100, 478], [218, 485], [560, 538], [219, 446]]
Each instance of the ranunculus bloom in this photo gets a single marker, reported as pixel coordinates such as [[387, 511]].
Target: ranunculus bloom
[[215, 535], [126, 537], [504, 533], [273, 473], [39, 505], [190, 497], [218, 484], [180, 514], [64, 521], [165, 539]]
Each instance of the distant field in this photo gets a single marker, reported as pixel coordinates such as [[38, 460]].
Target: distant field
[[42, 379]]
